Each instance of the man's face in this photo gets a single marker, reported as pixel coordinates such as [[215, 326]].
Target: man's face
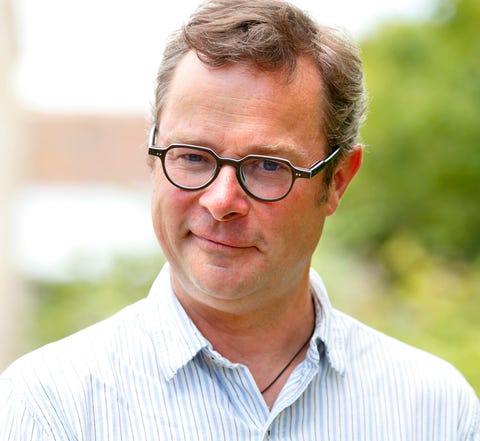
[[225, 248]]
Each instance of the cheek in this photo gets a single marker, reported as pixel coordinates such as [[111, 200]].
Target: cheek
[[163, 191], [157, 197], [170, 210], [158, 219], [304, 221], [163, 205]]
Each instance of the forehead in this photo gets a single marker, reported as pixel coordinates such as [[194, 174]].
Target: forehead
[[242, 107]]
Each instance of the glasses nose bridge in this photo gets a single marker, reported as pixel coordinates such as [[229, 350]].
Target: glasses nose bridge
[[232, 162], [235, 163]]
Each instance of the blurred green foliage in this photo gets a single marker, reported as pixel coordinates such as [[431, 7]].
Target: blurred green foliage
[[403, 252], [422, 136], [64, 307]]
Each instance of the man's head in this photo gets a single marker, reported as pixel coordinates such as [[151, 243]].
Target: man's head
[[255, 91], [271, 35]]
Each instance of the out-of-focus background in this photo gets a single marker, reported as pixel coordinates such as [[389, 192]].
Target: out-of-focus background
[[403, 252]]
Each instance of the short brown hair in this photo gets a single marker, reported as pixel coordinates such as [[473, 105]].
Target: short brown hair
[[271, 35]]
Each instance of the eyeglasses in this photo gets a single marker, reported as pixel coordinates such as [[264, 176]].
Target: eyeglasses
[[265, 178]]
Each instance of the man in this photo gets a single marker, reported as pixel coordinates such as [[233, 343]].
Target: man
[[253, 144]]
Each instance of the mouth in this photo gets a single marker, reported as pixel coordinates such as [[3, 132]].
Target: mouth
[[220, 243]]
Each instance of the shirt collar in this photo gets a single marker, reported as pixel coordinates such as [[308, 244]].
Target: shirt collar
[[329, 328], [178, 340]]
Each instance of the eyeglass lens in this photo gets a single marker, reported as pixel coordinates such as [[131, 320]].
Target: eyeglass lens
[[194, 168]]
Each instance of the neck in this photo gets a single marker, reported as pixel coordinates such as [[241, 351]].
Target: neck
[[271, 339], [267, 331]]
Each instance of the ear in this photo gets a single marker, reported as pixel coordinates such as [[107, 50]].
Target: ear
[[342, 177]]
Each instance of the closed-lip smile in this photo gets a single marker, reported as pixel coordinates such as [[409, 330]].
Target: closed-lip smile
[[220, 242]]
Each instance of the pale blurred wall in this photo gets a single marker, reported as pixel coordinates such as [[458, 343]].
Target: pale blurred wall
[[14, 311]]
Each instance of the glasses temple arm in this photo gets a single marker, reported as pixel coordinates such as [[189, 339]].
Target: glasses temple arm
[[320, 165], [151, 137]]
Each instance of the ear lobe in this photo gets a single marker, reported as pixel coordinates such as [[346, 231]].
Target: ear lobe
[[342, 177]]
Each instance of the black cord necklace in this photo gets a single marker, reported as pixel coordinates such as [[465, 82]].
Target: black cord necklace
[[286, 366]]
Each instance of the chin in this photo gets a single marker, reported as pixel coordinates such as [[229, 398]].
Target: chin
[[226, 283]]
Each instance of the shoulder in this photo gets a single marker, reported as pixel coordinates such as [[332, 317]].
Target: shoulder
[[131, 340], [60, 386], [68, 385], [56, 375], [364, 345], [356, 347], [400, 371]]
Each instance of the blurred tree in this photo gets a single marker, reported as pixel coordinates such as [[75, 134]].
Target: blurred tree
[[420, 174], [66, 307]]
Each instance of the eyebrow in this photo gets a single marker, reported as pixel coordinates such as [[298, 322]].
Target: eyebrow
[[287, 151], [279, 150]]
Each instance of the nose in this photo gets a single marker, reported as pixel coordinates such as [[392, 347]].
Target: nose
[[224, 198]]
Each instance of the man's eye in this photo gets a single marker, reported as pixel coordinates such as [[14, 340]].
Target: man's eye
[[196, 159], [193, 157], [268, 165]]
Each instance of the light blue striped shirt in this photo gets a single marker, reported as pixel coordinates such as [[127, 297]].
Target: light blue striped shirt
[[148, 374]]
